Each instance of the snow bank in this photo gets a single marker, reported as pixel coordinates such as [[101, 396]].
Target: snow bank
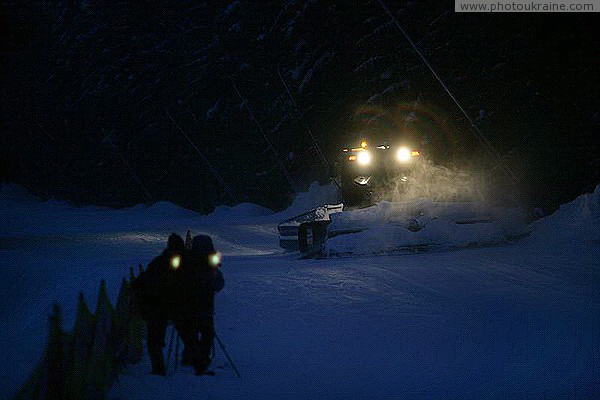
[[421, 225], [425, 224], [162, 208], [25, 214], [574, 222], [317, 195], [59, 217], [242, 210]]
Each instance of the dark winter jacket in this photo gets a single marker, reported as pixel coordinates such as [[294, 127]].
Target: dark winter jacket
[[157, 290], [200, 282]]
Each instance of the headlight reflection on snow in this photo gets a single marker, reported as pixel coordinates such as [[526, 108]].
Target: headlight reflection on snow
[[136, 237], [237, 245]]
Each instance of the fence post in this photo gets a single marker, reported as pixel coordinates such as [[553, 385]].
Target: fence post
[[101, 355], [121, 317], [82, 364], [52, 384], [135, 328], [81, 343]]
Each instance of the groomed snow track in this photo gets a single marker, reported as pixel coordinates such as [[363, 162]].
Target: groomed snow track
[[399, 227]]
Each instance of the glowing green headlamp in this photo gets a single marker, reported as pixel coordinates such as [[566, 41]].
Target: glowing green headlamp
[[175, 262], [214, 259]]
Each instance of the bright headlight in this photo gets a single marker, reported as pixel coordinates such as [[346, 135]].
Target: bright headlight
[[364, 158], [403, 154]]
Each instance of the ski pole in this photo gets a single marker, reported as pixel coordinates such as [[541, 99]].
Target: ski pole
[[222, 346], [176, 351]]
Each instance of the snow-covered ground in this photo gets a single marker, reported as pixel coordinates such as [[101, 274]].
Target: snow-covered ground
[[520, 320], [393, 227]]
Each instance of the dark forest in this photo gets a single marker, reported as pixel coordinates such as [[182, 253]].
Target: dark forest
[[207, 103]]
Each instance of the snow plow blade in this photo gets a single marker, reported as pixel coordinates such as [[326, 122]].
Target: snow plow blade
[[308, 231]]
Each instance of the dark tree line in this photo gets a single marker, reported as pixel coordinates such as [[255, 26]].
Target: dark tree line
[[205, 103]]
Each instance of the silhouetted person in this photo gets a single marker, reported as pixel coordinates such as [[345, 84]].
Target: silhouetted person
[[201, 279], [158, 295]]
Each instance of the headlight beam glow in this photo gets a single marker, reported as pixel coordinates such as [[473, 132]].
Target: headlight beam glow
[[403, 154], [364, 158]]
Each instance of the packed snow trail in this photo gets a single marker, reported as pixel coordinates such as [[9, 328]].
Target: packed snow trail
[[512, 321], [505, 321]]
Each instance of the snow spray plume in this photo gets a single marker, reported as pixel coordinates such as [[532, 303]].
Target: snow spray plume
[[437, 183]]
